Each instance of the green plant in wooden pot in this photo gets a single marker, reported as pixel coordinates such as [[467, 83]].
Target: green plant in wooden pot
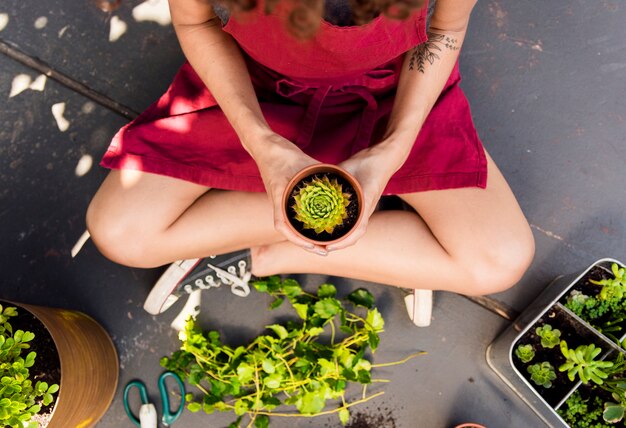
[[58, 368], [21, 398], [323, 203]]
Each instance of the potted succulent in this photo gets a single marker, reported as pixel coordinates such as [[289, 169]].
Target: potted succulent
[[564, 355], [323, 203], [58, 368]]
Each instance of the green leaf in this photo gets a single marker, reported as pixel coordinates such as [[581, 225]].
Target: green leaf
[[277, 302], [613, 413], [261, 286], [268, 366], [315, 331], [373, 340], [344, 416], [262, 421], [326, 290], [280, 331], [273, 381], [375, 320], [194, 407], [47, 399], [361, 297], [28, 336], [291, 288], [245, 373], [312, 402], [241, 407], [327, 308], [301, 309]]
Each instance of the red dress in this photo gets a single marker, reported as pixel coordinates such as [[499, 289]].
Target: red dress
[[331, 95]]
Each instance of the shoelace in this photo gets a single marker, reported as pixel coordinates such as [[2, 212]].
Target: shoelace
[[238, 281]]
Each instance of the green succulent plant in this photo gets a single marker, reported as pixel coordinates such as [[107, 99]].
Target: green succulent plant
[[525, 353], [549, 337], [613, 288], [320, 204], [581, 361], [542, 374]]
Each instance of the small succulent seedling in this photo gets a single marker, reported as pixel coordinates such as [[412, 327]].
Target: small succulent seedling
[[549, 337], [320, 204], [20, 400], [613, 288], [542, 374], [525, 353], [581, 361]]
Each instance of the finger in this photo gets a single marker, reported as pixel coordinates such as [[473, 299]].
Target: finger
[[350, 240]]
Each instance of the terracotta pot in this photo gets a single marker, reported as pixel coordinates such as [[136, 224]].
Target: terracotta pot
[[89, 366], [320, 169]]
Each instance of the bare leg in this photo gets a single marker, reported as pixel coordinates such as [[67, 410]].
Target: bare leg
[[470, 241], [146, 220]]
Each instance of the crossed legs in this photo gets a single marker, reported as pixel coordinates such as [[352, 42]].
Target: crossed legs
[[471, 241]]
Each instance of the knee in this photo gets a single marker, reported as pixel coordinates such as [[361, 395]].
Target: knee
[[118, 239], [500, 266]]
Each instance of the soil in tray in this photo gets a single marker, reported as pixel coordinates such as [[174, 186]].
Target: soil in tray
[[587, 288], [574, 333], [352, 209]]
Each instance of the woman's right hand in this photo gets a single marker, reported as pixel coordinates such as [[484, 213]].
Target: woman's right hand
[[278, 160]]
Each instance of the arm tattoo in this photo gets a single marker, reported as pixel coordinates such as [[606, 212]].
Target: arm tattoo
[[428, 51]]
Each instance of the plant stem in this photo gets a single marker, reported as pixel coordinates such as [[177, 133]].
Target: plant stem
[[395, 363], [328, 412]]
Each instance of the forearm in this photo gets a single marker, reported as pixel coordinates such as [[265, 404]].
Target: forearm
[[425, 71], [217, 60]]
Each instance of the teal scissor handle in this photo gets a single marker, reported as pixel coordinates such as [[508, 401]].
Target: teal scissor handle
[[143, 393], [168, 416]]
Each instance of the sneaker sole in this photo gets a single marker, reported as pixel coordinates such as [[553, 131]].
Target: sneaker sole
[[160, 298]]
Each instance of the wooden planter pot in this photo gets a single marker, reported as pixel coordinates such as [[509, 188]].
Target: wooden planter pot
[[550, 308], [89, 366]]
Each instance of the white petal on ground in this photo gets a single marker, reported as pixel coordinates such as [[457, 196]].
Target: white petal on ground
[[20, 83], [63, 30], [84, 165], [57, 111], [4, 20], [39, 84], [118, 28], [41, 22], [153, 10]]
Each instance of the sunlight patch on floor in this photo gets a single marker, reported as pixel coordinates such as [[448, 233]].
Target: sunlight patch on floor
[[153, 10], [58, 110]]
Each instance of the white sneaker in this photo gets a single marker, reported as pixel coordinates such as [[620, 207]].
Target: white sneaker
[[419, 305], [185, 276]]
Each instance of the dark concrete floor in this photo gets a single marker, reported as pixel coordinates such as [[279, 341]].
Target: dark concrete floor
[[546, 83]]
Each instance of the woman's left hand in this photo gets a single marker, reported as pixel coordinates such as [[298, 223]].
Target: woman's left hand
[[372, 168]]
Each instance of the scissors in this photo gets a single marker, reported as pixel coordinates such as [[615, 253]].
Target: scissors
[[147, 411]]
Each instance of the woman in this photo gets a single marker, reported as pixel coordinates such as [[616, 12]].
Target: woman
[[278, 88]]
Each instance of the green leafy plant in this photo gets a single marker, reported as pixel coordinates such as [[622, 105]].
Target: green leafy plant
[[578, 412], [549, 337], [615, 286], [289, 366], [542, 374], [20, 400], [320, 204], [525, 353], [581, 361]]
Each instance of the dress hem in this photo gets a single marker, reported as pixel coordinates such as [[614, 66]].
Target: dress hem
[[247, 183]]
